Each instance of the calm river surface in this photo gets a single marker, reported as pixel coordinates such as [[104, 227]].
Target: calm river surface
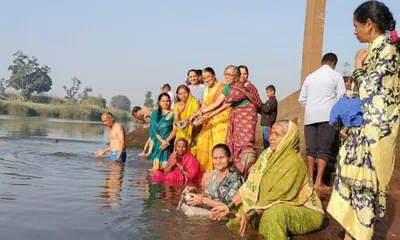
[[60, 191]]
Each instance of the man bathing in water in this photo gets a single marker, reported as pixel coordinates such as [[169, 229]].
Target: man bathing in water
[[142, 115], [116, 148]]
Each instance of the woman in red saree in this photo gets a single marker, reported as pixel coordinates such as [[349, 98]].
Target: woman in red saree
[[242, 121], [181, 167]]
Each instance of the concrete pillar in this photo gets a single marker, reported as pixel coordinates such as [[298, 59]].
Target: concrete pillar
[[312, 49], [313, 37]]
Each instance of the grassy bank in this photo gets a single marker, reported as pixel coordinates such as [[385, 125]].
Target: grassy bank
[[64, 111]]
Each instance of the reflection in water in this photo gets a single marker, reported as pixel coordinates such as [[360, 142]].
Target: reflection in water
[[42, 127], [113, 184], [40, 177], [25, 129]]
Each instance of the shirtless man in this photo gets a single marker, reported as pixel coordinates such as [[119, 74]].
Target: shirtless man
[[116, 149], [142, 115]]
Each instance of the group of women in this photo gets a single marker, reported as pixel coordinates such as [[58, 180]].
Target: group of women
[[227, 115], [275, 193]]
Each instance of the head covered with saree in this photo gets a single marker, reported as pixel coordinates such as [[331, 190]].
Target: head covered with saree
[[282, 172]]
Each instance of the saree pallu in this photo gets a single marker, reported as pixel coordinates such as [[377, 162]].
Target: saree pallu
[[225, 190], [279, 184], [214, 131], [367, 157], [163, 127], [241, 130], [185, 111]]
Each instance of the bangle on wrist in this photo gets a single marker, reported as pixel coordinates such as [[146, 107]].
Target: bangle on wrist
[[252, 213], [201, 112], [358, 73]]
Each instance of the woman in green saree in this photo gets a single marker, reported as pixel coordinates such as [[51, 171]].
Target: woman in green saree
[[162, 133], [278, 197]]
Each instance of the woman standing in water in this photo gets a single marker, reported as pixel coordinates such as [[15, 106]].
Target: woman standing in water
[[196, 88], [214, 130], [366, 160], [162, 132], [183, 110]]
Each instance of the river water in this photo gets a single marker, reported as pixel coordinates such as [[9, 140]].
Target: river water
[[61, 191]]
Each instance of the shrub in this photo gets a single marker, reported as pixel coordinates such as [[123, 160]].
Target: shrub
[[41, 99], [20, 110]]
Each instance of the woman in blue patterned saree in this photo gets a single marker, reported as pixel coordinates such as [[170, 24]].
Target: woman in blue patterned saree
[[366, 162]]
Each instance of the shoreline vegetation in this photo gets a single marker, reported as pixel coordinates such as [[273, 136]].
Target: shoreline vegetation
[[31, 81], [70, 111]]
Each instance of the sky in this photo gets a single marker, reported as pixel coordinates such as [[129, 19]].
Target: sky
[[128, 47]]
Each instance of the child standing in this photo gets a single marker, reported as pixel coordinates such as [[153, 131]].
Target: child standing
[[269, 112]]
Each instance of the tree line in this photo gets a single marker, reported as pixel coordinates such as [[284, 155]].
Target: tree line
[[31, 80]]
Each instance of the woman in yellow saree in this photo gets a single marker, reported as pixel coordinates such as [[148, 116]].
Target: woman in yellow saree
[[183, 110], [278, 197], [213, 131]]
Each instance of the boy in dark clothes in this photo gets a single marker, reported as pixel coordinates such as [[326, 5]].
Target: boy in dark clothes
[[269, 111]]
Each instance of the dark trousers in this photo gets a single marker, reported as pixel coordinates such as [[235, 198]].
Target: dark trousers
[[320, 138]]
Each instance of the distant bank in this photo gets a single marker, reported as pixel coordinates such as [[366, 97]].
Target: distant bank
[[64, 111]]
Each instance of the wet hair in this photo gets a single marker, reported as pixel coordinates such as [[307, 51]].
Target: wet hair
[[270, 87], [183, 86], [166, 86], [244, 67], [330, 57], [209, 70], [135, 109], [378, 12], [159, 109]]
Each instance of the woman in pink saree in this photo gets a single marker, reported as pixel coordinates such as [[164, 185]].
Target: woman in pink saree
[[181, 167]]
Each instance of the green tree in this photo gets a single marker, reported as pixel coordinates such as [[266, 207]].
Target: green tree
[[85, 93], [121, 102], [98, 101], [28, 76], [72, 92], [148, 101], [3, 86]]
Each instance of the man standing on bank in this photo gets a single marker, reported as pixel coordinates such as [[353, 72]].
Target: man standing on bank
[[319, 93]]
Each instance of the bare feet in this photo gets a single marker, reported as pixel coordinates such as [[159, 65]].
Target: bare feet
[[142, 154]]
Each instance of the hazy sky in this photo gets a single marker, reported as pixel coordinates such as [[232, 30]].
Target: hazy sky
[[128, 47]]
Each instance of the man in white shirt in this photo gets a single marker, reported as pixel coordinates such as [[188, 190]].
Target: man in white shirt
[[319, 93]]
